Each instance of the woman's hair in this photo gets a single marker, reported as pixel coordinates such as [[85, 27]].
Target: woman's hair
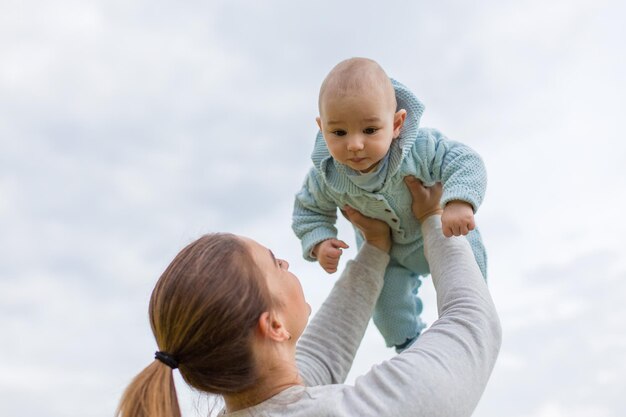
[[202, 313]]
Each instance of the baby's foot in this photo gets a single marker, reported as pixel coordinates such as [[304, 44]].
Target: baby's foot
[[401, 347]]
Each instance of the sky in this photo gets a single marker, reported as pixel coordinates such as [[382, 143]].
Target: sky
[[130, 128]]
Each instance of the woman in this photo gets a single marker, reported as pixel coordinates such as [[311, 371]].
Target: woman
[[232, 318]]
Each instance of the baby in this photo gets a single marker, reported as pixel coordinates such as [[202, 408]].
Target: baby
[[369, 142]]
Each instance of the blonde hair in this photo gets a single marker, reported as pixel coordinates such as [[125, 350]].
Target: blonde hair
[[202, 312]]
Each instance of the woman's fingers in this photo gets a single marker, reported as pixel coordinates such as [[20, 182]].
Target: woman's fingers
[[425, 199]]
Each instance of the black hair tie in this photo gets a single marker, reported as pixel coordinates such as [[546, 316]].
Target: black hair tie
[[166, 358]]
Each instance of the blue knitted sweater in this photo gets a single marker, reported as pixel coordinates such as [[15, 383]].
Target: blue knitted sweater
[[422, 152]]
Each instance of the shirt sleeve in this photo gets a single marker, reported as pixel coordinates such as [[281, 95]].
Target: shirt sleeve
[[460, 169], [327, 347], [314, 215], [446, 370]]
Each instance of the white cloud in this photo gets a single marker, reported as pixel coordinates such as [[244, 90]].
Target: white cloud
[[552, 409]]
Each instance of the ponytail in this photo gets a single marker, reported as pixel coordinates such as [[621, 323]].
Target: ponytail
[[203, 312], [150, 394]]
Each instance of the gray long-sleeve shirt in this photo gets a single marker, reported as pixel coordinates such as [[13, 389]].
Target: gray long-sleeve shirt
[[442, 374]]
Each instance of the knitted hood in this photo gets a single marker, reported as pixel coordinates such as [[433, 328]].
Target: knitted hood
[[330, 169]]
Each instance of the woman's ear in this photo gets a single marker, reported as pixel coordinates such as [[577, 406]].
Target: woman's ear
[[319, 122], [271, 326], [398, 122]]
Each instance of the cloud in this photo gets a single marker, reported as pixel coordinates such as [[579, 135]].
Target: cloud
[[563, 344]]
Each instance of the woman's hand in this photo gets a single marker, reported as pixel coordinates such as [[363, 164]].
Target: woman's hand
[[375, 232], [425, 199]]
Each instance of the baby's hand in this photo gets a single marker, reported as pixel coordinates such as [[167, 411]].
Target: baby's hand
[[328, 253], [457, 218]]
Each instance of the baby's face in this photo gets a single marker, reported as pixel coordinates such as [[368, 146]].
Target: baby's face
[[358, 129]]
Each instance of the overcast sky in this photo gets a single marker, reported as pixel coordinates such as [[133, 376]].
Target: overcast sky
[[129, 128]]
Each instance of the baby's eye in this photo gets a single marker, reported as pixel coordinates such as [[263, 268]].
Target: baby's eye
[[369, 130], [340, 132]]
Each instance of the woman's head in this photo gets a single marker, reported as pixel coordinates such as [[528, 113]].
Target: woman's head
[[205, 311]]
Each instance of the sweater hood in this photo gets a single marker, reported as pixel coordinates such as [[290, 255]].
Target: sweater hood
[[329, 168]]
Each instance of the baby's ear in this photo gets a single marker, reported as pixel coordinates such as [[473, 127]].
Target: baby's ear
[[319, 122], [398, 122]]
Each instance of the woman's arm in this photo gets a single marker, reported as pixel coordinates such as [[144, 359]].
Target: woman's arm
[[327, 348], [446, 370]]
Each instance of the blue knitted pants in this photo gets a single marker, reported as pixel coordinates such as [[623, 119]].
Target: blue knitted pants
[[398, 309]]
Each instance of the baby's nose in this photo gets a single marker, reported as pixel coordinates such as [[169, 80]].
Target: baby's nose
[[355, 143]]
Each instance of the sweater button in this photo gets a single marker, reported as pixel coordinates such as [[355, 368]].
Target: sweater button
[[388, 211], [394, 220]]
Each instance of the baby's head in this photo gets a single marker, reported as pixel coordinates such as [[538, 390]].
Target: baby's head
[[358, 116]]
